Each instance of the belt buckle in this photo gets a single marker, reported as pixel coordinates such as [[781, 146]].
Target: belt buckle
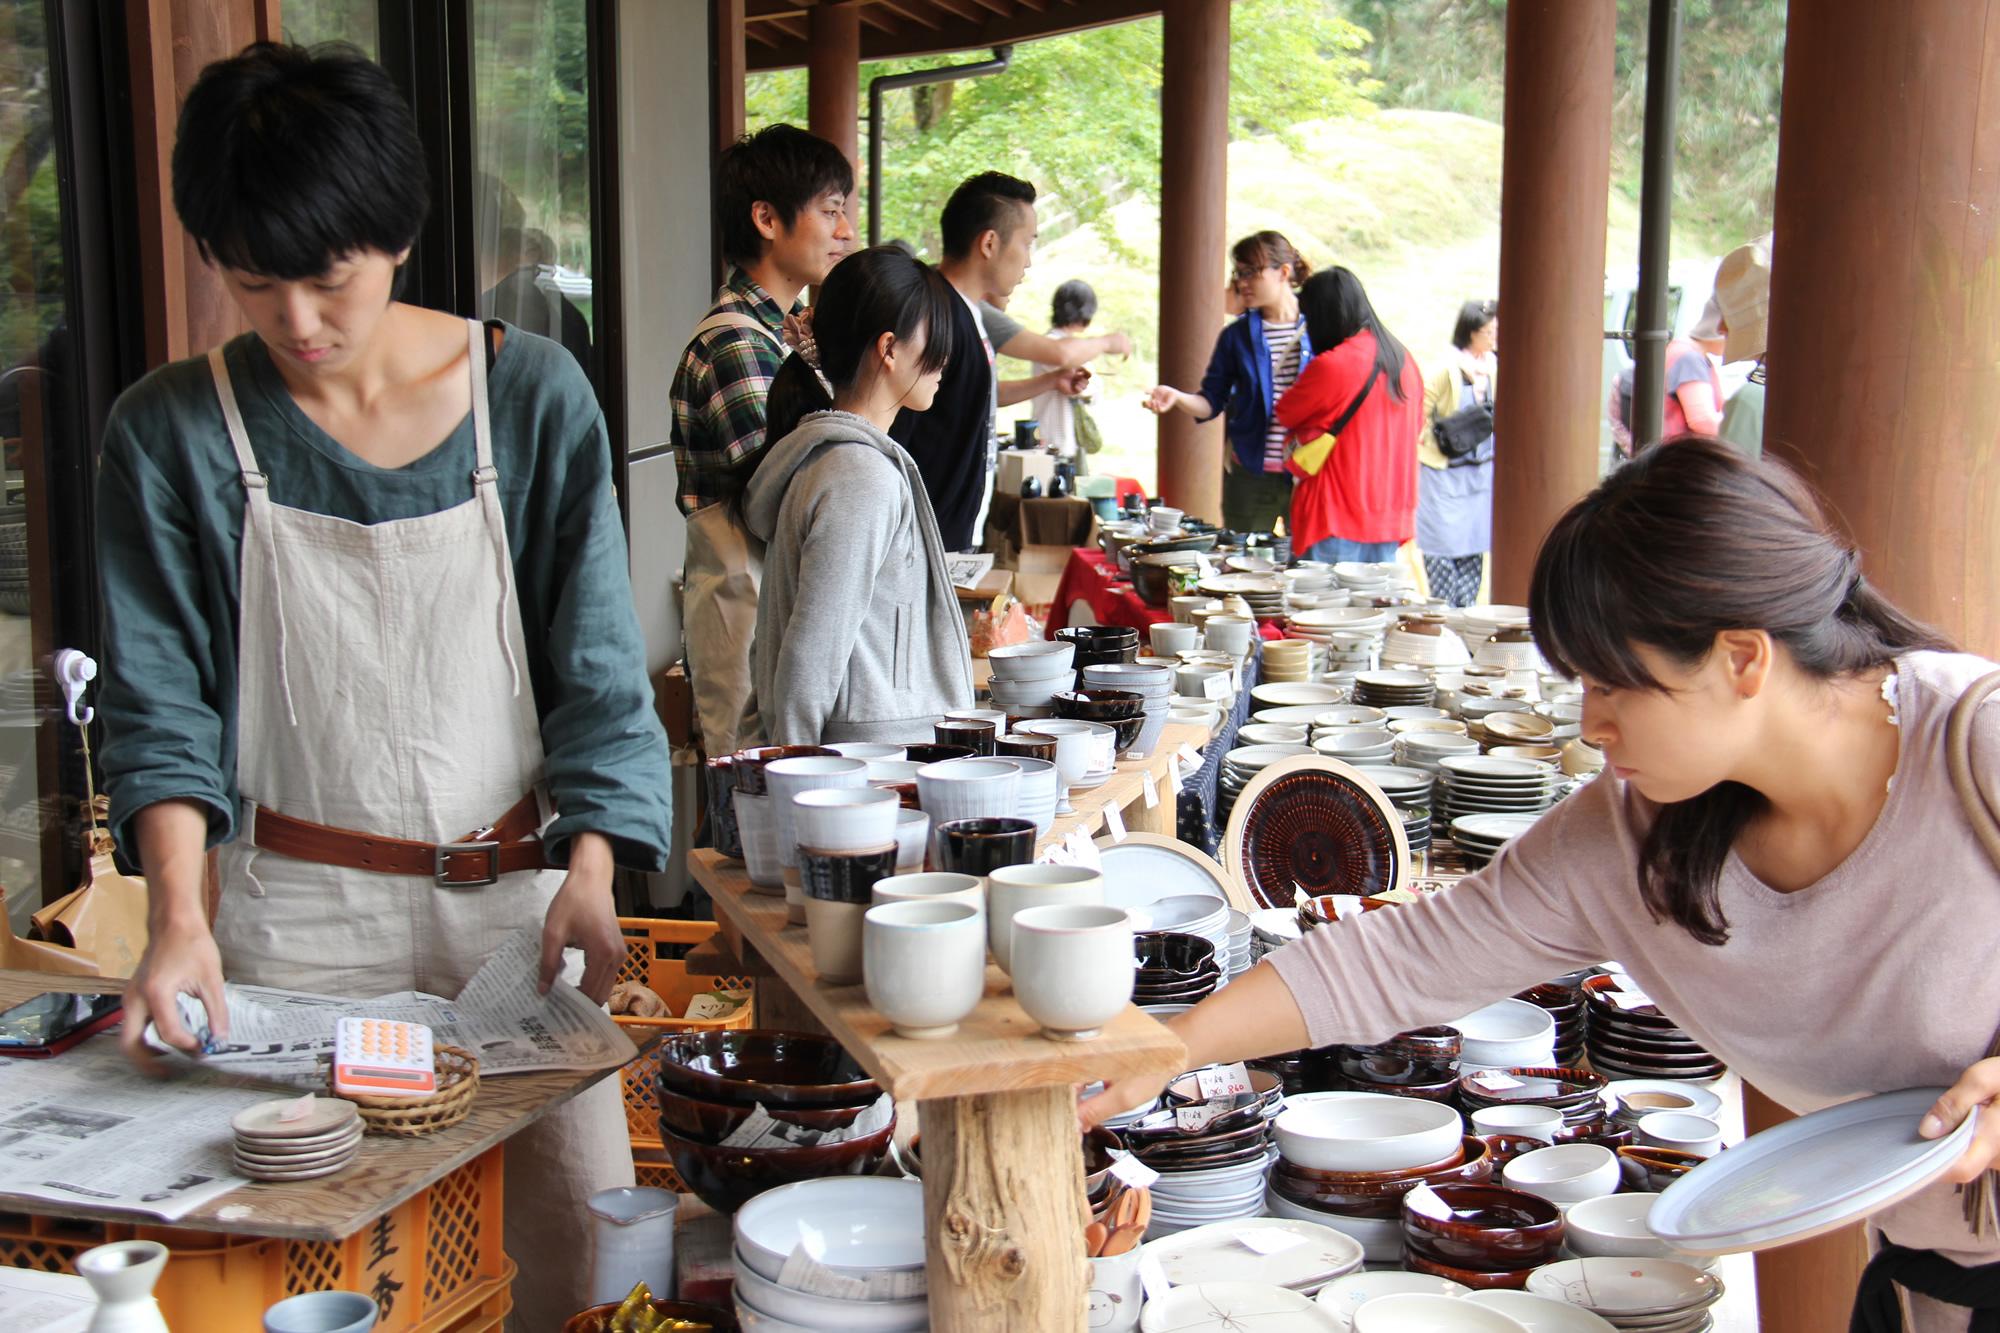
[[444, 851]]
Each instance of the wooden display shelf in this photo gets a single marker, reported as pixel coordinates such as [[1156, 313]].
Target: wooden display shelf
[[1004, 1206]]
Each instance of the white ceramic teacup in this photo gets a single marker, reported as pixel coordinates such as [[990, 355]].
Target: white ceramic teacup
[[1682, 1130], [1229, 634], [756, 827], [787, 778], [937, 886], [1535, 1122], [1040, 790], [1013, 889], [924, 964], [1072, 967], [845, 819], [913, 839], [1170, 637]]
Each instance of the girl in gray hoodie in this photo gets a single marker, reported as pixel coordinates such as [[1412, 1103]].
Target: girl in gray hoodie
[[859, 636]]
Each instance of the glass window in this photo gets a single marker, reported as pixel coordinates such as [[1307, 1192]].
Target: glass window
[[310, 22], [531, 160]]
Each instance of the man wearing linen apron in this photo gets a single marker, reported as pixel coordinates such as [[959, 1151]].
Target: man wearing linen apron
[[369, 627]]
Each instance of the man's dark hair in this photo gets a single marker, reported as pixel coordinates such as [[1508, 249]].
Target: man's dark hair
[[990, 201], [288, 159], [783, 166]]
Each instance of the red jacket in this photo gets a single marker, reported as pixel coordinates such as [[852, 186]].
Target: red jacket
[[1367, 489]]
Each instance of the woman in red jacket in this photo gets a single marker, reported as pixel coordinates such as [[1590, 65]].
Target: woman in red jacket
[[1361, 503]]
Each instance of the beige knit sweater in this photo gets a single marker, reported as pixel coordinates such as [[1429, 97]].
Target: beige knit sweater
[[1883, 975]]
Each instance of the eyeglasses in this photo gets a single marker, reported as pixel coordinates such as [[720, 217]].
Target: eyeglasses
[[1243, 274]]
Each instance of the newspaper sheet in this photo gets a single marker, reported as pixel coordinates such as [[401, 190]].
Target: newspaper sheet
[[289, 1035], [37, 1302]]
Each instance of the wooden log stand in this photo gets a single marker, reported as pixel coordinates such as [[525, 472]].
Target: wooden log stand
[[1004, 1205]]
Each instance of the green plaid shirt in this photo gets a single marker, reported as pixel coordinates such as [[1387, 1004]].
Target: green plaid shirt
[[718, 397]]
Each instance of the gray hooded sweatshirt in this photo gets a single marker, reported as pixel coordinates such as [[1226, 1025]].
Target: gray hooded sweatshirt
[[859, 635]]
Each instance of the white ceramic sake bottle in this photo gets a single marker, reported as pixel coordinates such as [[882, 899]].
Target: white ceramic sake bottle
[[123, 1274]]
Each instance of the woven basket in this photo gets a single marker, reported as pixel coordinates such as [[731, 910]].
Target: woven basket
[[409, 1118]]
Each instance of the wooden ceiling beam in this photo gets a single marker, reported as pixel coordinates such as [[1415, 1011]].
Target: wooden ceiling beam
[[886, 35]]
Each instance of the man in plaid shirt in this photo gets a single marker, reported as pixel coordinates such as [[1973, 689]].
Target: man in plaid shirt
[[781, 208]]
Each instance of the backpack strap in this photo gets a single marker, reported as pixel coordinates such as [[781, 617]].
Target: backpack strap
[[731, 319]]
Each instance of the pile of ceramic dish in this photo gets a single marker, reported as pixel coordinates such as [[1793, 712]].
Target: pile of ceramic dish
[[1272, 928], [1284, 694], [1293, 661], [1508, 725], [1409, 790], [1658, 1295], [1238, 934], [1629, 1037], [1297, 1256], [1346, 1160], [1479, 838], [1242, 764], [1343, 1298], [1271, 733], [1173, 968], [298, 1138], [1369, 577], [1576, 1093], [1211, 1151], [1421, 1063], [831, 1118], [1469, 784], [1368, 745], [1263, 593], [1420, 643], [1353, 634], [1426, 750], [1477, 624], [1101, 645], [1562, 1000], [1481, 1236], [1389, 689], [865, 1240], [1154, 684], [1027, 675], [1198, 914]]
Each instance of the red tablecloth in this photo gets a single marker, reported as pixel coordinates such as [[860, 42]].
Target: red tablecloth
[[1091, 578]]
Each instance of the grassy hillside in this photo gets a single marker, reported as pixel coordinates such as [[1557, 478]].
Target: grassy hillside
[[1410, 200]]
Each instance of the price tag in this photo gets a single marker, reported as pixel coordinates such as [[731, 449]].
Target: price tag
[[1114, 822], [1269, 1240], [802, 1272], [1190, 756], [1347, 904], [1427, 1201], [1222, 1080], [1194, 1119], [1152, 1276], [1081, 850], [1174, 778], [1216, 686], [1135, 1173], [1236, 678], [1495, 1080], [1152, 788]]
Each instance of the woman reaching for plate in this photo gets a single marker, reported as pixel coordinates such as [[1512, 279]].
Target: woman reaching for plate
[[1775, 850]]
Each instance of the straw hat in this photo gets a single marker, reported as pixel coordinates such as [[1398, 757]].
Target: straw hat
[[1743, 295]]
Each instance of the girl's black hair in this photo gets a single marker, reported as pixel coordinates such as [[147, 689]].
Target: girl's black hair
[[288, 159], [871, 292], [1472, 317], [1336, 308], [1688, 540], [1073, 306]]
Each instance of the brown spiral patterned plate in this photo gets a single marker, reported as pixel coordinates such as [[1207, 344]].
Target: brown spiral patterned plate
[[1315, 824]]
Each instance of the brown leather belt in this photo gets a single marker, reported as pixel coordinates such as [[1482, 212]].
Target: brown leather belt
[[477, 859]]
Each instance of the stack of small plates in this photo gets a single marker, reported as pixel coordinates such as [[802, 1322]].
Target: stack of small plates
[[1264, 593], [1477, 624], [1287, 715], [1423, 643], [1290, 660], [299, 1138], [1272, 928], [1365, 577], [1477, 784], [1510, 727], [1372, 746], [1238, 928], [1347, 717], [1479, 838], [1389, 689], [1271, 733], [1407, 788], [1425, 750], [1562, 999], [1323, 622], [1659, 1295], [1628, 1036], [1312, 576]]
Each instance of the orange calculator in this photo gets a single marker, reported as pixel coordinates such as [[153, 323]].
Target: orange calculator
[[379, 1057]]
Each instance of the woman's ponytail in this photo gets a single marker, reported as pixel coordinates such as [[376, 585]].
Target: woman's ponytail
[[795, 391]]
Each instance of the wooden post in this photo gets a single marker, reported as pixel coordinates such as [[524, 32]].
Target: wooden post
[[1809, 1287], [1555, 181], [833, 84], [731, 64], [1005, 1210], [1882, 383], [1194, 169]]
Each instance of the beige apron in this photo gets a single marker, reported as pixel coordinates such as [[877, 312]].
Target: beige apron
[[724, 566], [383, 688]]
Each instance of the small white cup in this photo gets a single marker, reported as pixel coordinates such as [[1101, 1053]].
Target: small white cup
[[322, 1312], [1535, 1122], [924, 965], [1229, 634], [1013, 889], [787, 778], [1682, 1130], [845, 819], [938, 886], [1072, 967], [1170, 637], [868, 750], [833, 931]]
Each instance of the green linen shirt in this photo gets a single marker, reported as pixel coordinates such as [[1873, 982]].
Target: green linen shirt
[[169, 537]]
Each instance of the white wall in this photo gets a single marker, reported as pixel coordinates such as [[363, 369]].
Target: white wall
[[663, 134], [664, 223]]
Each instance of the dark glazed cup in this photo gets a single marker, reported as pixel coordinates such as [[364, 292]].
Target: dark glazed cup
[[975, 734], [1025, 747], [845, 877], [719, 787], [937, 754], [982, 846]]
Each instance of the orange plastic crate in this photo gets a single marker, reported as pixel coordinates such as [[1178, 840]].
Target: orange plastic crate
[[653, 953], [433, 1263]]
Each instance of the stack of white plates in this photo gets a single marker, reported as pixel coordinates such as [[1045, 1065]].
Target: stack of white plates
[[1388, 689], [1477, 624], [1284, 694], [1366, 746], [1311, 576], [1264, 593], [1323, 622], [1347, 717], [1406, 788], [1244, 763], [1659, 1295], [1300, 1256], [298, 1138], [1513, 649], [1238, 929], [1480, 784], [868, 1231], [1426, 749], [1271, 733], [1423, 644], [1183, 1200], [1287, 715], [1480, 837], [1365, 577]]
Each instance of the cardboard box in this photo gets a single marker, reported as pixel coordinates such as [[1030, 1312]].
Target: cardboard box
[[1040, 570], [1017, 465]]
